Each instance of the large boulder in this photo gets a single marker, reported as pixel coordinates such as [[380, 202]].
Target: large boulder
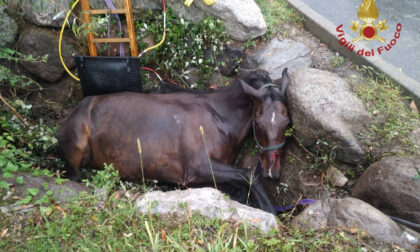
[[322, 106], [45, 12], [40, 41], [8, 28], [276, 55], [208, 202], [390, 186], [354, 213], [243, 18]]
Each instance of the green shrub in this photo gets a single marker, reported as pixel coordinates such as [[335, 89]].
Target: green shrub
[[186, 44], [106, 178]]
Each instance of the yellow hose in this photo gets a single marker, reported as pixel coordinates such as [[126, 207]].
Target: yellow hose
[[61, 38], [163, 38]]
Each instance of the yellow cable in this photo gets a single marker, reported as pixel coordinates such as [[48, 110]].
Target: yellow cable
[[61, 38], [163, 38]]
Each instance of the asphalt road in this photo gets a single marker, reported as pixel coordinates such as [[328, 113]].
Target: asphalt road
[[405, 54]]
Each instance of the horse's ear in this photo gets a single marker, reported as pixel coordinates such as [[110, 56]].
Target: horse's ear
[[285, 80], [250, 90]]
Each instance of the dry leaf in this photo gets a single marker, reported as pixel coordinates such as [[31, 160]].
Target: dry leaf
[[94, 218], [128, 235], [3, 233], [163, 235], [255, 220], [414, 107], [116, 195], [61, 210]]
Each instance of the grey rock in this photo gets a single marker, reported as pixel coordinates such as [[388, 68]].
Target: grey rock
[[41, 41], [8, 28], [354, 213], [336, 177], [276, 55], [415, 137], [243, 18], [322, 105], [63, 192], [208, 202], [389, 185], [44, 12]]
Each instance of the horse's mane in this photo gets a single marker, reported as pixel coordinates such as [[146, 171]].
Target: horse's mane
[[256, 79]]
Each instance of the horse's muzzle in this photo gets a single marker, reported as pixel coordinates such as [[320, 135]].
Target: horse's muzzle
[[271, 172]]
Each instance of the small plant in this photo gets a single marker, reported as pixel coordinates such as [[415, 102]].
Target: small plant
[[24, 148], [337, 61], [186, 45], [14, 81], [324, 156], [417, 176], [107, 178]]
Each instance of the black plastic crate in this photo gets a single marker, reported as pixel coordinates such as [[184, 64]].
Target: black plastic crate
[[105, 75]]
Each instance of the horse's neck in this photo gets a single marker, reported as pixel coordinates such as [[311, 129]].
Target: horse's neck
[[237, 107]]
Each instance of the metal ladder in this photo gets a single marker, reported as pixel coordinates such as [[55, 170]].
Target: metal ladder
[[128, 11]]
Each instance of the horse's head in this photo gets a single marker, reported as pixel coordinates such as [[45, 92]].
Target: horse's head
[[270, 118]]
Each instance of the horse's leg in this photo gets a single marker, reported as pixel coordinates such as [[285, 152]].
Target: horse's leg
[[227, 174], [236, 191]]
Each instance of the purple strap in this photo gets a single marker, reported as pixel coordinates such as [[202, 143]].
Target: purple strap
[[300, 202], [112, 7]]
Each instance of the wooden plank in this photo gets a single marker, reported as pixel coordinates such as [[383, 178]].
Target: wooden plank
[[106, 11], [130, 26], [111, 40], [87, 19]]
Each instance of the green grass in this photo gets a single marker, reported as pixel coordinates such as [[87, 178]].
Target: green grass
[[87, 225], [337, 61], [394, 119], [278, 12]]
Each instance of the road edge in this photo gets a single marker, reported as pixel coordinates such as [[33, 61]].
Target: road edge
[[322, 28]]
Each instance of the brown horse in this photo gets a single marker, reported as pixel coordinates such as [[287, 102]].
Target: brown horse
[[104, 129]]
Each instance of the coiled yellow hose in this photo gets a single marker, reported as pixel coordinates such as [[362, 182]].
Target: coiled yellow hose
[[61, 38]]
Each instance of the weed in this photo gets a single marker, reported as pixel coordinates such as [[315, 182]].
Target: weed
[[208, 156], [107, 178], [337, 61], [186, 45], [81, 225], [141, 165], [417, 176], [394, 119], [278, 12], [24, 149], [14, 81]]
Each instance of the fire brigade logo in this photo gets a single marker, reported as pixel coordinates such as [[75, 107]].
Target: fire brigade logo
[[368, 13]]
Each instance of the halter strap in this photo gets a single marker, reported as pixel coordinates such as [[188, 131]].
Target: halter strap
[[268, 85], [275, 147]]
